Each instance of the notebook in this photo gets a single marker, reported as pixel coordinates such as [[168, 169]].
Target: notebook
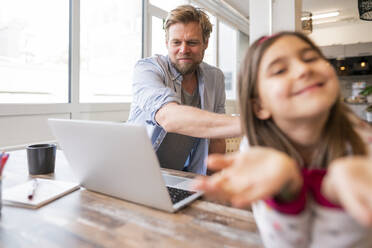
[[43, 191], [118, 159]]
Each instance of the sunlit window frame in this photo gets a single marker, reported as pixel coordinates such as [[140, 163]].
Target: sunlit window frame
[[73, 107]]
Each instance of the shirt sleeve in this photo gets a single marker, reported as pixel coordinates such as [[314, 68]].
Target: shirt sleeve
[[150, 92], [221, 94]]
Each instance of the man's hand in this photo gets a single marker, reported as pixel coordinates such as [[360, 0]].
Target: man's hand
[[349, 183], [250, 176]]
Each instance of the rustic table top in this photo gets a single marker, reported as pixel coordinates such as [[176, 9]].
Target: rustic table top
[[88, 219]]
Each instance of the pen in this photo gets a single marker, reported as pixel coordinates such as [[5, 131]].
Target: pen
[[3, 158], [32, 192]]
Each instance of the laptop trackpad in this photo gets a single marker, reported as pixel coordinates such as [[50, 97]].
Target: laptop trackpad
[[173, 180]]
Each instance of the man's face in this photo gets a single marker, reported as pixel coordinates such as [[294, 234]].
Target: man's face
[[186, 46]]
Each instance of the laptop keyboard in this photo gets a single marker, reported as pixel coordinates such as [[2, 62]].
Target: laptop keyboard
[[178, 194]]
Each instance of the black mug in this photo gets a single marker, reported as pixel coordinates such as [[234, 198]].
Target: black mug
[[41, 158]]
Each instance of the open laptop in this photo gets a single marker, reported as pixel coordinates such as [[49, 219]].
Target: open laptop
[[118, 159]]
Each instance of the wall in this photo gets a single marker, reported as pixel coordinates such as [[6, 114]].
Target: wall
[[18, 129], [342, 33]]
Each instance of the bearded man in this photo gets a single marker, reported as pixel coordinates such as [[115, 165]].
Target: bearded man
[[180, 98]]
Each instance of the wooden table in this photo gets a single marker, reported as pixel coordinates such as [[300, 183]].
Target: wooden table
[[87, 219]]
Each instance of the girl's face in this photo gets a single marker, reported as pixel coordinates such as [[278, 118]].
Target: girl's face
[[294, 82]]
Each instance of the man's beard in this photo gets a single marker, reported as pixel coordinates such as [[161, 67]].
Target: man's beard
[[186, 68]]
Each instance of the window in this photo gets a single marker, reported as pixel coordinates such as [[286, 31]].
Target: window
[[34, 49], [158, 11], [158, 37], [227, 57], [210, 53], [168, 5], [110, 45]]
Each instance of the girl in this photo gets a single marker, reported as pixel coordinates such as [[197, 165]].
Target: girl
[[307, 171]]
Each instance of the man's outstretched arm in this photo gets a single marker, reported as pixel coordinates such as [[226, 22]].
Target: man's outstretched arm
[[195, 122]]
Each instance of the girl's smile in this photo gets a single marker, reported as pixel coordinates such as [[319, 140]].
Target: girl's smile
[[309, 88]]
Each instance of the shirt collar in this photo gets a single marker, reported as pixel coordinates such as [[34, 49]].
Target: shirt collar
[[176, 75]]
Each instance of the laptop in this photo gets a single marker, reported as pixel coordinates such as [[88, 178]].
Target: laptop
[[118, 159]]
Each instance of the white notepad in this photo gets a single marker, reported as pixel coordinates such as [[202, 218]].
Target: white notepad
[[47, 190]]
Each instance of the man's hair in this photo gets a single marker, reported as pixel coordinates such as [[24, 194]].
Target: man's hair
[[338, 138], [186, 14]]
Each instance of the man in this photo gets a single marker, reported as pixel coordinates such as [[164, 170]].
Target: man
[[175, 95]]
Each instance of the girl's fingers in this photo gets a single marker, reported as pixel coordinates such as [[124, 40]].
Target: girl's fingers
[[242, 200], [210, 185], [367, 216], [252, 194], [364, 195], [364, 190], [356, 206], [220, 184], [218, 161], [199, 183], [216, 187], [352, 184], [364, 214]]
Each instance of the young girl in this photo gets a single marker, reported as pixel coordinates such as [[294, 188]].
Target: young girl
[[307, 170]]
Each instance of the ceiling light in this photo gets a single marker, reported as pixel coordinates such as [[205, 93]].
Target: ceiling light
[[323, 15], [363, 64]]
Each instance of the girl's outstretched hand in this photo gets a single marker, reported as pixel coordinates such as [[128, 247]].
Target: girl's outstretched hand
[[349, 183], [250, 176]]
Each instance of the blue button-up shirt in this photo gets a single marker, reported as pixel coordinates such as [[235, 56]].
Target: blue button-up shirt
[[157, 82]]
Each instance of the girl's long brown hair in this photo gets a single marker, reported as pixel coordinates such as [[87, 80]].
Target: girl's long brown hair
[[339, 137]]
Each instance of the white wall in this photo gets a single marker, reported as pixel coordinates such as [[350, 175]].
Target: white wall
[[343, 33], [24, 124]]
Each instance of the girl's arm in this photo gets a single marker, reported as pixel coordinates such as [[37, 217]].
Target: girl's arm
[[349, 183], [349, 180], [256, 174]]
